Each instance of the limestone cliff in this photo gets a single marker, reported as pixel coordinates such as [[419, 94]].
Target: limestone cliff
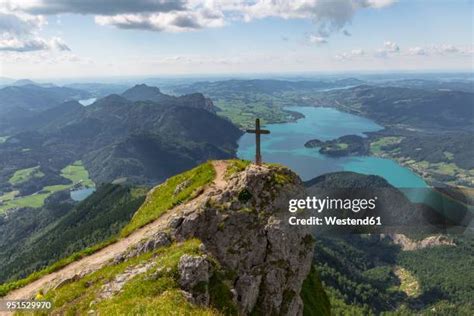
[[244, 228]]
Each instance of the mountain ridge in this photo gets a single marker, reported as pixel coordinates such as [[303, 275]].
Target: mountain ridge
[[207, 216]]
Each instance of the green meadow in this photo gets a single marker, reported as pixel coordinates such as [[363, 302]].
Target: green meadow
[[23, 175], [75, 172]]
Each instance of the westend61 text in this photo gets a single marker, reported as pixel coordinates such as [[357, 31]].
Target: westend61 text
[[334, 221]]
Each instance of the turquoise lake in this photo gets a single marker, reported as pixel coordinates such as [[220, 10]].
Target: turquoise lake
[[285, 145]]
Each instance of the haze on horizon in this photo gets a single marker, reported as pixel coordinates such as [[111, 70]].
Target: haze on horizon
[[106, 38]]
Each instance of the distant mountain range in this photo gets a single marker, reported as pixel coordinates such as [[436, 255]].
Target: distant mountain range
[[21, 101], [142, 92], [269, 86], [99, 90], [454, 85]]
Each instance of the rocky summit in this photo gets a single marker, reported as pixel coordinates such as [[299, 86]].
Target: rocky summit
[[243, 226]]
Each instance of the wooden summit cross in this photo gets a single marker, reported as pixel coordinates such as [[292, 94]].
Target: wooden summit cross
[[257, 131]]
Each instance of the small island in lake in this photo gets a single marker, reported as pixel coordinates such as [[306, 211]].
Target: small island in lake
[[348, 145]]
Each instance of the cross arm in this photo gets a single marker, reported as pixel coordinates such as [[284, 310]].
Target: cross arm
[[260, 131]]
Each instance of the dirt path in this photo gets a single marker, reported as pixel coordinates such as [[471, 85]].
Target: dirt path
[[221, 167], [99, 259]]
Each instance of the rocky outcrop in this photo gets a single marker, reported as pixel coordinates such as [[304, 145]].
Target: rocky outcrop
[[408, 244], [194, 274], [114, 286], [245, 229], [160, 239]]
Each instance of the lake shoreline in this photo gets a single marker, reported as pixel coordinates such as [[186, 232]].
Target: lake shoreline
[[286, 142], [449, 192]]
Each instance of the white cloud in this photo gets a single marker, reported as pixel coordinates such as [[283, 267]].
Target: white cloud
[[176, 21], [186, 15], [441, 50], [417, 51], [19, 33], [355, 53], [329, 16], [380, 3], [35, 58], [18, 45], [19, 24], [101, 7], [447, 49], [314, 39], [389, 49], [32, 44]]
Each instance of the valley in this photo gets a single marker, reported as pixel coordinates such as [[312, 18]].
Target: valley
[[76, 174], [142, 137]]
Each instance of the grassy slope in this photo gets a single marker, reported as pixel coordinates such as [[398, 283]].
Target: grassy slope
[[164, 197]]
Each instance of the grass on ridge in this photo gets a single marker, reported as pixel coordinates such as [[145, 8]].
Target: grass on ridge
[[166, 196], [235, 166]]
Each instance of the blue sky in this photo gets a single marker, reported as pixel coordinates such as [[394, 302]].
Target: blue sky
[[58, 38]]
